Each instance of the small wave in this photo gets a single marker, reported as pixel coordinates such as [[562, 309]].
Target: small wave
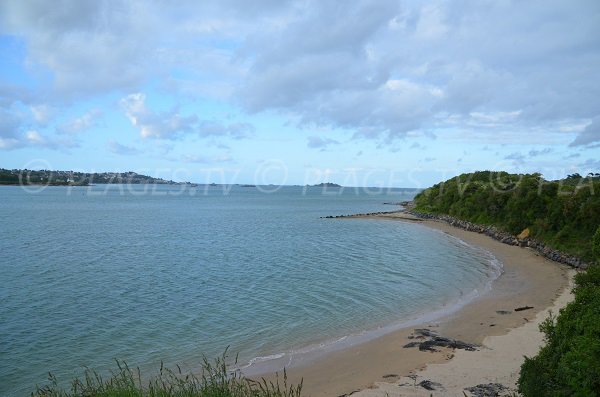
[[309, 353]]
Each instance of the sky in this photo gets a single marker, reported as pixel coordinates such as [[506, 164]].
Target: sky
[[362, 93]]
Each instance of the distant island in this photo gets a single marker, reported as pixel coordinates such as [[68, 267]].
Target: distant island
[[73, 178], [327, 184]]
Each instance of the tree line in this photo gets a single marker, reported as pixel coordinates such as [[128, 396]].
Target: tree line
[[563, 214]]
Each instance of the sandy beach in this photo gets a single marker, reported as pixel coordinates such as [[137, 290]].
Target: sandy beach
[[378, 367]]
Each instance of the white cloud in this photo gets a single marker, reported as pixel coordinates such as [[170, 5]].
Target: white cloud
[[207, 128], [590, 135], [431, 23], [535, 153], [172, 125], [517, 157], [118, 148], [42, 113], [380, 69], [168, 125], [80, 124], [9, 123], [89, 47], [35, 138], [16, 132], [9, 143], [591, 165], [315, 142]]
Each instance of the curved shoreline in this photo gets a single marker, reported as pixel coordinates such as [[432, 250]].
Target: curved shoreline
[[261, 366], [528, 280], [265, 365]]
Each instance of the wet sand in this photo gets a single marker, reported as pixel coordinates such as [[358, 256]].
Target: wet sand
[[528, 280]]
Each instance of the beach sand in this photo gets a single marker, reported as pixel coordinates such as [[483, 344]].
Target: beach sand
[[376, 367]]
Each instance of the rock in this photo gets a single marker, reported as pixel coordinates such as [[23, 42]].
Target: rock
[[435, 341], [429, 385], [427, 346], [349, 394], [524, 234], [425, 332], [486, 390], [522, 240], [520, 309]]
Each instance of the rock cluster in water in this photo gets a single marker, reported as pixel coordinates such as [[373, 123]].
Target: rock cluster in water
[[506, 238], [359, 215]]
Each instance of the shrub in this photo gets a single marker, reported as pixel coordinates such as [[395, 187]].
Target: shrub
[[215, 381], [569, 363], [596, 245]]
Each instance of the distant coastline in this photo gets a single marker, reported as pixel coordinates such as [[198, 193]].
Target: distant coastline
[[326, 184], [25, 177]]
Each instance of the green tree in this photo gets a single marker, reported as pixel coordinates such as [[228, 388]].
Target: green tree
[[563, 214], [596, 245]]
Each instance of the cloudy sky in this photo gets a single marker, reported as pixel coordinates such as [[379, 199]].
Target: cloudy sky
[[363, 93]]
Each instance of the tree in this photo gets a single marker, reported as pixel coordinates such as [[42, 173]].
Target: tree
[[596, 245]]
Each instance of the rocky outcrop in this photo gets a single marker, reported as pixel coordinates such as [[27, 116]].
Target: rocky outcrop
[[507, 238], [429, 340], [360, 215], [486, 390]]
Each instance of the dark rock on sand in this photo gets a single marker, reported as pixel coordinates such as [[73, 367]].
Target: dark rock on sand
[[425, 332], [349, 394], [520, 309], [435, 341], [486, 390], [429, 385]]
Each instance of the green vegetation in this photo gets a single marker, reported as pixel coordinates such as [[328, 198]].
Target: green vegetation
[[216, 381], [73, 178], [596, 243], [569, 363], [563, 214]]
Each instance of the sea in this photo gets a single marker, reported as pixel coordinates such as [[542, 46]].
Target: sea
[[170, 274]]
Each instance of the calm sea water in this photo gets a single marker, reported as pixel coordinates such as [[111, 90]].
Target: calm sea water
[[147, 274]]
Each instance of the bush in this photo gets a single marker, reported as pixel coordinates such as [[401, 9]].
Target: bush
[[596, 245], [569, 363]]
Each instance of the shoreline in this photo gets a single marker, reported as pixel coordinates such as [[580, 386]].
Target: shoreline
[[528, 280]]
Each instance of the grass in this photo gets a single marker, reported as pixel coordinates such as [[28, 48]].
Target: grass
[[215, 381]]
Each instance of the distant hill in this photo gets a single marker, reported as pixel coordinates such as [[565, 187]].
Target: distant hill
[[327, 184], [564, 213], [73, 178]]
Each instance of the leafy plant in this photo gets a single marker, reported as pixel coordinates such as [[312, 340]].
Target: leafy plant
[[569, 363], [215, 380]]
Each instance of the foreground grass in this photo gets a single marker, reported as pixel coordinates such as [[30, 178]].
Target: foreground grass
[[215, 381]]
